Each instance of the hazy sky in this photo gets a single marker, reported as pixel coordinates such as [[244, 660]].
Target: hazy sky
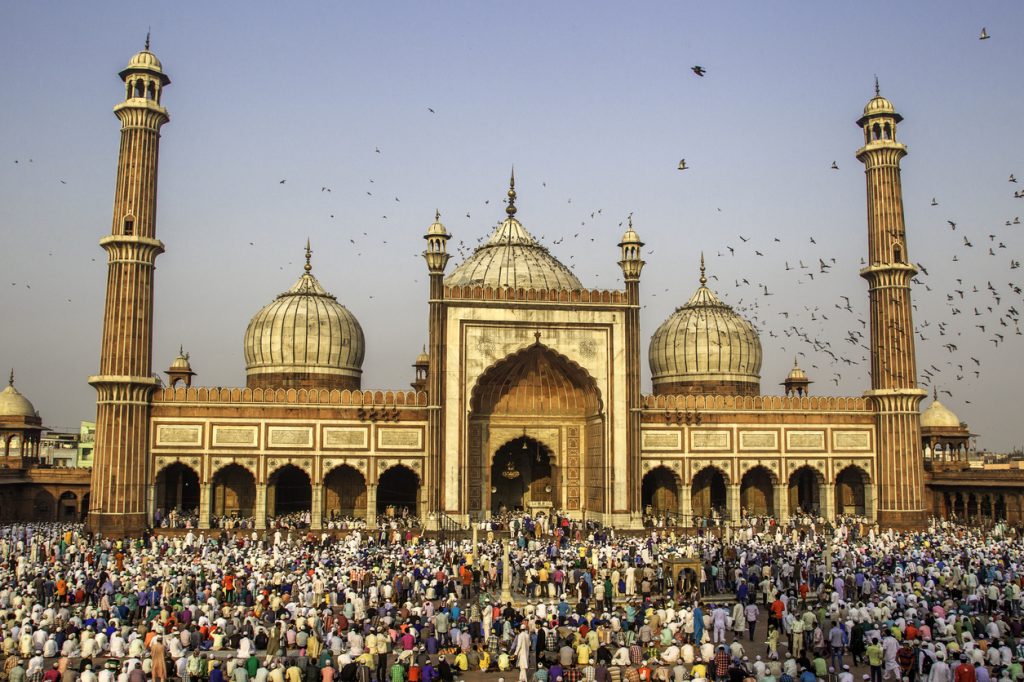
[[594, 103]]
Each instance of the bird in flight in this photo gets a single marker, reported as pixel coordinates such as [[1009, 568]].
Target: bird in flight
[[1012, 178], [835, 166], [934, 202], [952, 225], [700, 70], [682, 165], [984, 34], [282, 182], [431, 110]]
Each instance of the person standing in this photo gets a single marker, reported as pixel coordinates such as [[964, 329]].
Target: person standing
[[875, 658], [751, 612]]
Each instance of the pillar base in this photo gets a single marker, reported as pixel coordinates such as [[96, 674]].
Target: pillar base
[[117, 525], [902, 520]]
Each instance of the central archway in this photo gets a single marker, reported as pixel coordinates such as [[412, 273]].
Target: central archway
[[556, 406], [522, 474]]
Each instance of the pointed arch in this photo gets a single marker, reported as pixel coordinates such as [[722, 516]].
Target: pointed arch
[[536, 380]]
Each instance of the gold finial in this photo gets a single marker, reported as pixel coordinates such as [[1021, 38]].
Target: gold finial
[[795, 364], [629, 219], [437, 215], [10, 381], [703, 279], [878, 92], [511, 208], [935, 393], [309, 252], [181, 350], [147, 40]]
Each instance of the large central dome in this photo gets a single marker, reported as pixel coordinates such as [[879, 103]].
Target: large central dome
[[511, 257]]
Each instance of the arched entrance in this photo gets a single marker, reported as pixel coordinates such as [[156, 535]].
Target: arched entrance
[[67, 507], [85, 507], [757, 492], [805, 491], [556, 407], [851, 491], [177, 490], [522, 475], [659, 491], [43, 506], [289, 493], [708, 493], [397, 488], [344, 493], [234, 492]]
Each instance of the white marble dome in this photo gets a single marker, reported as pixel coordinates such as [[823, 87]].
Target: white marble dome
[[705, 346], [304, 338]]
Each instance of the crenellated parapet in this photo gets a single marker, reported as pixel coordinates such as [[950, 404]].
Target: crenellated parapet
[[467, 292], [757, 403], [292, 396]]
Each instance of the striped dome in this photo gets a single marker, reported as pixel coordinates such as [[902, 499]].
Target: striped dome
[[511, 257], [304, 334], [705, 346]]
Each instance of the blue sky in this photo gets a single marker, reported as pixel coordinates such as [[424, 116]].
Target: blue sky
[[594, 103]]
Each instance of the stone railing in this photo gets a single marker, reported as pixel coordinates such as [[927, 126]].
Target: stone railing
[[756, 402], [291, 396], [468, 292]]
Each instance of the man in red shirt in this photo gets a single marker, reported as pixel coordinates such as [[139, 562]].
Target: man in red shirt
[[965, 671]]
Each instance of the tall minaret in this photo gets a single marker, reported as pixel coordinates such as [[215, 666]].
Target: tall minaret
[[900, 468], [631, 262], [121, 473], [437, 257]]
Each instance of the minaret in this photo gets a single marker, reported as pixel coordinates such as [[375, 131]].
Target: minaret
[[121, 473], [437, 257], [631, 262], [900, 468]]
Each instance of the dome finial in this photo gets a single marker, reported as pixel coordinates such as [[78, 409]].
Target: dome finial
[[181, 350], [309, 252], [437, 215], [703, 279], [878, 91], [795, 363], [935, 393], [147, 39], [10, 381], [511, 208]]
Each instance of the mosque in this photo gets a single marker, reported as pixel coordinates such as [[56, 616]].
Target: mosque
[[528, 395]]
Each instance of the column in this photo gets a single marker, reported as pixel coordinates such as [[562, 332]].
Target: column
[[151, 502], [205, 496], [371, 505], [869, 502], [260, 507], [732, 501], [780, 499], [316, 507], [828, 504], [685, 505], [506, 573]]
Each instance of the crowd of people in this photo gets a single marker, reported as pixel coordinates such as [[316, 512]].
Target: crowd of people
[[564, 601]]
